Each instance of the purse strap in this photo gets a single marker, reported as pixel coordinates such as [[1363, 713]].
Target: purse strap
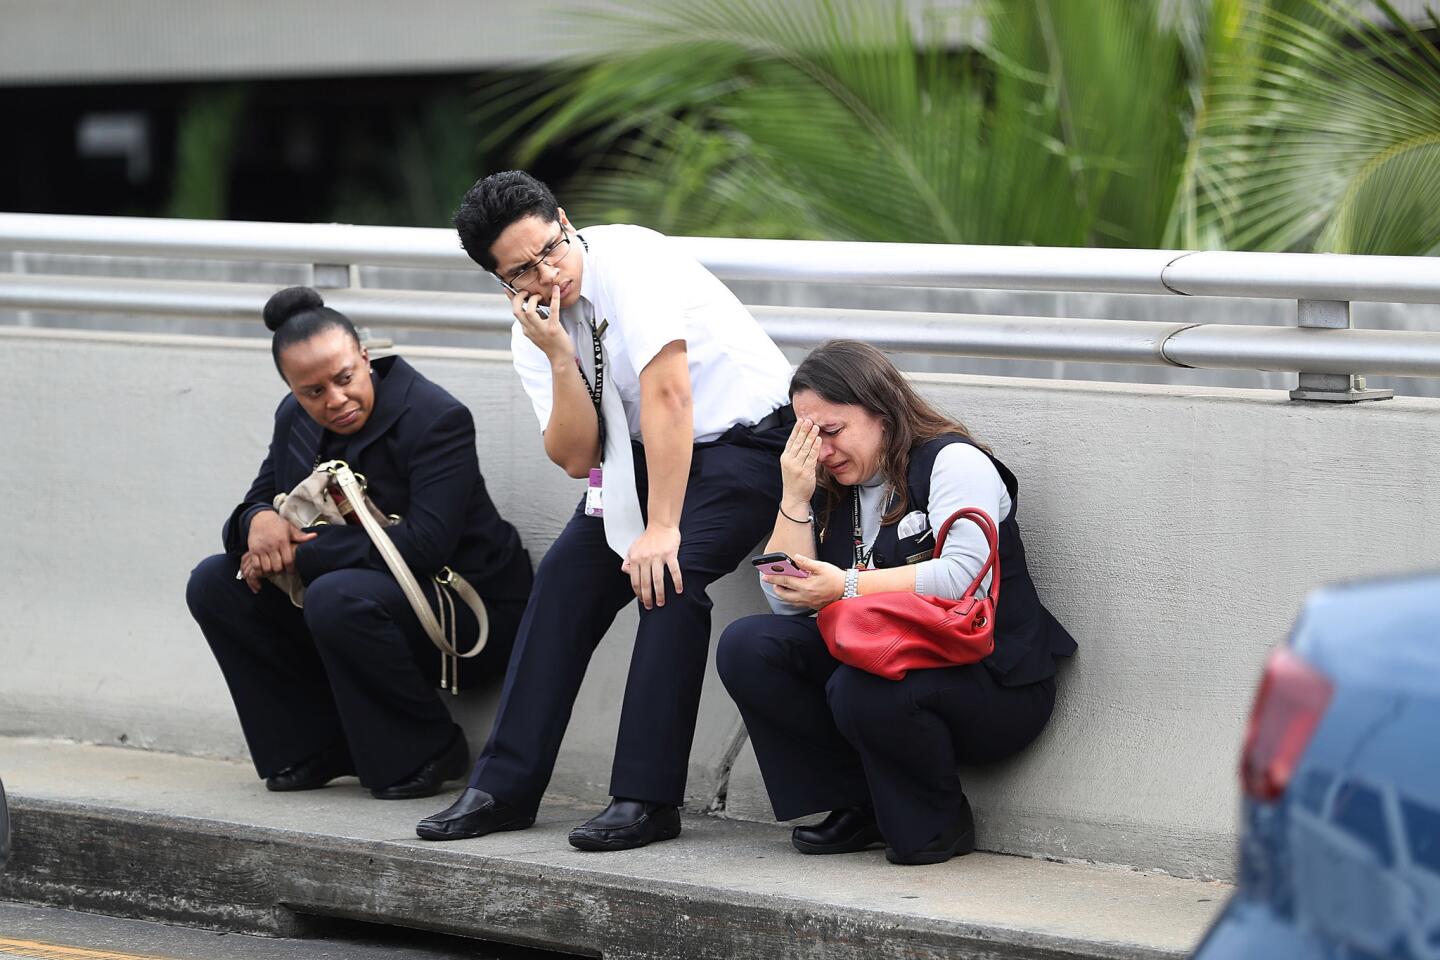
[[992, 536], [350, 486]]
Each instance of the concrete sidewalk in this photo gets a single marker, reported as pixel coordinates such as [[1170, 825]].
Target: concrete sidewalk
[[163, 837]]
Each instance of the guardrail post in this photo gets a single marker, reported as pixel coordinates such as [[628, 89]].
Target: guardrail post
[[1331, 387], [333, 275], [340, 276], [23, 318]]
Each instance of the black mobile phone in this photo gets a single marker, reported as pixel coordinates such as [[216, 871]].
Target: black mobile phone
[[778, 565], [510, 293]]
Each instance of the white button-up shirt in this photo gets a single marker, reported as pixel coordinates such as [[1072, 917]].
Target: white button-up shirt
[[651, 294]]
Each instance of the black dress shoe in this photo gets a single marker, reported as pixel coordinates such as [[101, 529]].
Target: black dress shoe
[[955, 840], [452, 763], [314, 772], [843, 831], [627, 824], [475, 814]]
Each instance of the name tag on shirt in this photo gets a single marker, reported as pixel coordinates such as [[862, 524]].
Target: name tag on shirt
[[594, 495]]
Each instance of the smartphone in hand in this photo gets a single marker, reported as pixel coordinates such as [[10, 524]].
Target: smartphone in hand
[[777, 565], [510, 291]]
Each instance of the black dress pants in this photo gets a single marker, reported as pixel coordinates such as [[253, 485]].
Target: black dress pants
[[729, 505], [353, 669], [828, 736]]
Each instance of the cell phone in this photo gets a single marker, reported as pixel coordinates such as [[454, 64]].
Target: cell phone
[[778, 565], [510, 291]]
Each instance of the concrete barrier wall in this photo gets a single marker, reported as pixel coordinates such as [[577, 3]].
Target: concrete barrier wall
[[124, 453], [1173, 529]]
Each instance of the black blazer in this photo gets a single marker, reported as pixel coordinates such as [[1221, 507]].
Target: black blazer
[[417, 452]]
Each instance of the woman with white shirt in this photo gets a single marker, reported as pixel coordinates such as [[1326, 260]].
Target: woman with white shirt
[[870, 472]]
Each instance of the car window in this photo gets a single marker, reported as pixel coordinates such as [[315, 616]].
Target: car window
[[1312, 789], [1358, 811], [1422, 826]]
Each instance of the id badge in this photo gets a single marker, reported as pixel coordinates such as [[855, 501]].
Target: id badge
[[594, 504]]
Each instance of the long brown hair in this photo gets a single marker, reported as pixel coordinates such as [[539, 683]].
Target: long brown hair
[[853, 373]]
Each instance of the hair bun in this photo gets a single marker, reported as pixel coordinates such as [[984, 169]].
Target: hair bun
[[288, 302]]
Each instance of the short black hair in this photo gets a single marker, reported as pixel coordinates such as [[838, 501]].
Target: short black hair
[[296, 314], [496, 202]]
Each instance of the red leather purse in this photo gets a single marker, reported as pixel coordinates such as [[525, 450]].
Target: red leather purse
[[890, 634]]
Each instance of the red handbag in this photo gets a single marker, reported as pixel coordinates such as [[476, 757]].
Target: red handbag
[[889, 634]]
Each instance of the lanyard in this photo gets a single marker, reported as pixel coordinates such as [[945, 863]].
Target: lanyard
[[598, 390], [862, 556]]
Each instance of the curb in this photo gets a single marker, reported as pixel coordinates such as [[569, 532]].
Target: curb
[[260, 880]]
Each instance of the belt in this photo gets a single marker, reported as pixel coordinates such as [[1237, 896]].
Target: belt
[[779, 417], [752, 435], [767, 434]]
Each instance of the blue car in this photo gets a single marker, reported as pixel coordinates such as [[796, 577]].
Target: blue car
[[1340, 832]]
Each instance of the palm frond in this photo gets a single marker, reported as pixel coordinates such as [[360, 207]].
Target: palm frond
[[1318, 132], [1268, 124], [857, 123]]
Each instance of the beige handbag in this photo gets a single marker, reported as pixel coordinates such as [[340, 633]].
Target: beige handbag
[[313, 502]]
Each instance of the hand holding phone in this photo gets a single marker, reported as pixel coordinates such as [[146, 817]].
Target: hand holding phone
[[515, 297], [777, 565], [542, 327]]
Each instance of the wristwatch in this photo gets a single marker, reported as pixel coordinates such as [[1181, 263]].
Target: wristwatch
[[852, 584]]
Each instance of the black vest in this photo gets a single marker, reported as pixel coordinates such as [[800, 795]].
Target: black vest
[[1027, 636]]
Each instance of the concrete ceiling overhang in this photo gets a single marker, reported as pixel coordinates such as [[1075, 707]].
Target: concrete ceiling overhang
[[116, 41]]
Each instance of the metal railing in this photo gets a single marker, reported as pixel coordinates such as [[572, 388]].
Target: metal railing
[[1323, 348]]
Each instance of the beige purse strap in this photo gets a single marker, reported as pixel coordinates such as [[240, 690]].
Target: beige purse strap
[[350, 486], [467, 593]]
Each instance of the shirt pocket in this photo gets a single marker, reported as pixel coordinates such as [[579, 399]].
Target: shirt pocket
[[917, 547]]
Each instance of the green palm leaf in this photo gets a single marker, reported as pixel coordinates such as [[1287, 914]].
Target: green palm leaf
[[836, 118], [1323, 134], [1265, 124]]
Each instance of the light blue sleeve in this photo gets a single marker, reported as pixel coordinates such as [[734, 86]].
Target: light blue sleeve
[[963, 476]]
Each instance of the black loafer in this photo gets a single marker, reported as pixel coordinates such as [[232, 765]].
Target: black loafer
[[475, 814], [955, 840], [314, 772], [627, 824], [451, 764], [843, 831]]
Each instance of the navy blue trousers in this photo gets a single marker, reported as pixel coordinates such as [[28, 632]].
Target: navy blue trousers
[[729, 506], [828, 736], [353, 669]]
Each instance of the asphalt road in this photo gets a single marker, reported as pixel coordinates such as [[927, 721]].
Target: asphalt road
[[42, 933]]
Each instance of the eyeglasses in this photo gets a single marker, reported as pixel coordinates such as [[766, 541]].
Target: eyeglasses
[[552, 256]]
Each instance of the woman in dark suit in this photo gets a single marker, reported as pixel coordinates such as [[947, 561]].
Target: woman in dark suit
[[880, 755], [347, 685]]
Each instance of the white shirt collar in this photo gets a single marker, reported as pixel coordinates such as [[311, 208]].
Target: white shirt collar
[[589, 285]]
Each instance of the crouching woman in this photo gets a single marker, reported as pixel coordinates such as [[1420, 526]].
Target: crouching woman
[[347, 684], [871, 472]]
